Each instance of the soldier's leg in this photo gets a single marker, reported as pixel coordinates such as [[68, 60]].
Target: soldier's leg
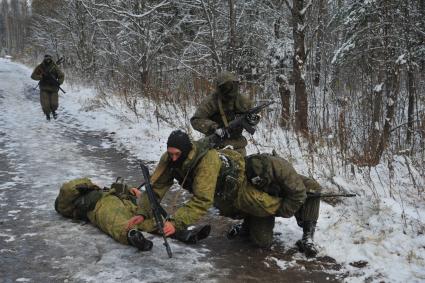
[[112, 214], [307, 217], [54, 103], [45, 103], [242, 151], [261, 230]]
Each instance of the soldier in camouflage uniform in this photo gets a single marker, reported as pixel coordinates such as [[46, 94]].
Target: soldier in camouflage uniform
[[286, 196], [110, 210], [267, 188], [221, 107], [50, 77]]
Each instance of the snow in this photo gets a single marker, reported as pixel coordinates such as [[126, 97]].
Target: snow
[[401, 60], [378, 87], [40, 156], [346, 47], [383, 226]]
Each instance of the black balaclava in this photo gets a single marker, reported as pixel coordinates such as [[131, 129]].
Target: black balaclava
[[229, 90], [180, 140], [47, 59]]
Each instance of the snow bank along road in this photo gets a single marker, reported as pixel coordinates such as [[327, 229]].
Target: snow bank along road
[[38, 245]]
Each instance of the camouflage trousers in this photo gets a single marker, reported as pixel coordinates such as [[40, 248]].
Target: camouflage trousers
[[259, 209], [112, 214], [238, 144], [261, 228], [49, 101]]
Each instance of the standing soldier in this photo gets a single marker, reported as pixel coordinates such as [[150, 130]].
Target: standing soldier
[[221, 107], [50, 77]]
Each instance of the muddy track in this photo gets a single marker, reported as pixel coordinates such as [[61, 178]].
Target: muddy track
[[38, 245]]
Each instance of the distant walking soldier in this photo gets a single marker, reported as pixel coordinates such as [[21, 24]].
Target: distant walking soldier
[[218, 109], [50, 77]]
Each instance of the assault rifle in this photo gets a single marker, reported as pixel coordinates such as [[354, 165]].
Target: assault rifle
[[49, 75], [320, 195], [246, 120], [158, 211]]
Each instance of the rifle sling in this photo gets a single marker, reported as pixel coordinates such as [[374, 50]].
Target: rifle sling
[[158, 172], [194, 164], [222, 114]]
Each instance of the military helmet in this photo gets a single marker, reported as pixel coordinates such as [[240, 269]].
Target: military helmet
[[225, 77], [259, 169]]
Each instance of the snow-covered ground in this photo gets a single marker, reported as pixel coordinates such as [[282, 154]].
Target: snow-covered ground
[[36, 157], [381, 231], [383, 226]]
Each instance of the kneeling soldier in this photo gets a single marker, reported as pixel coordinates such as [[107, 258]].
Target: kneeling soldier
[[267, 188], [286, 197]]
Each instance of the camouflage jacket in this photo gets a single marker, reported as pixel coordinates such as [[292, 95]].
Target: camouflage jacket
[[198, 174], [277, 177], [207, 117], [46, 83]]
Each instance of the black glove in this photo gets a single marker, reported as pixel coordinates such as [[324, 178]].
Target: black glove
[[83, 188], [253, 119], [193, 235], [222, 133]]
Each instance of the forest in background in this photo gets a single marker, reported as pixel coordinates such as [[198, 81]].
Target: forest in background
[[346, 73]]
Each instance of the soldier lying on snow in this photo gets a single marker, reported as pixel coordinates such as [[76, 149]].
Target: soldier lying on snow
[[256, 189], [111, 209]]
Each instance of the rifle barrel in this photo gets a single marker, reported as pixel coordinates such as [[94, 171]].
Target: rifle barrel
[[320, 195], [157, 210]]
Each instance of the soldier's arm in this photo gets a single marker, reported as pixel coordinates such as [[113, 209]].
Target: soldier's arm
[[37, 74], [201, 120], [291, 184], [160, 187], [61, 75], [203, 186], [243, 103], [310, 184]]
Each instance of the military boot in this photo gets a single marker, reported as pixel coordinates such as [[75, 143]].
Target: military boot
[[238, 230], [55, 115], [306, 244], [48, 116], [136, 238], [193, 235]]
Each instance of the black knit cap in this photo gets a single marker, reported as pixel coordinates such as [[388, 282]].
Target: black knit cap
[[180, 140]]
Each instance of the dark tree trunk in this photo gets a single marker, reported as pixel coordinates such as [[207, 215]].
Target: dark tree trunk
[[285, 96], [301, 102], [392, 89], [318, 52], [232, 37], [411, 107], [376, 120]]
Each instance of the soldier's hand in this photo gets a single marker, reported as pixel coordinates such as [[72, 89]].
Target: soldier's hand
[[221, 132], [253, 119], [134, 221], [169, 228], [135, 192]]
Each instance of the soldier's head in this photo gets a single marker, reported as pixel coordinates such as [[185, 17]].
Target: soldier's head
[[227, 85], [178, 147], [47, 59]]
